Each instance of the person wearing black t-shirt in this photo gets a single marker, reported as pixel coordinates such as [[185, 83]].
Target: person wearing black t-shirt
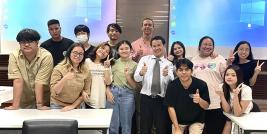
[[56, 45], [187, 98], [244, 59]]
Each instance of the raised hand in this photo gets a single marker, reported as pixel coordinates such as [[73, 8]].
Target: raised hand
[[165, 71], [143, 70], [214, 55], [237, 90], [196, 97], [126, 69], [220, 93], [258, 67], [140, 51], [170, 57], [107, 62], [231, 57], [70, 75]]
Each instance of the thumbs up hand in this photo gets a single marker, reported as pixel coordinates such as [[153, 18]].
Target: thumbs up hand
[[196, 97], [165, 71], [143, 70]]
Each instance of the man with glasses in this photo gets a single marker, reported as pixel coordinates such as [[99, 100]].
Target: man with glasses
[[30, 68], [56, 45], [114, 31]]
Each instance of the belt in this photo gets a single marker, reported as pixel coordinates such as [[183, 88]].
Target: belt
[[155, 96]]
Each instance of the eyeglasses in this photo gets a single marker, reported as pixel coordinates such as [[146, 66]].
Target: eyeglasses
[[27, 42], [77, 54]]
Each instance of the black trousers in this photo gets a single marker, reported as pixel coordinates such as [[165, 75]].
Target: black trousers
[[214, 121], [152, 111]]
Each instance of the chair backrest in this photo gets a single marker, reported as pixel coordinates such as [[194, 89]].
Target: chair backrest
[[255, 107], [50, 126]]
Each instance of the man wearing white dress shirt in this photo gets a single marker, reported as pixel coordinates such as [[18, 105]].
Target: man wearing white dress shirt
[[154, 84]]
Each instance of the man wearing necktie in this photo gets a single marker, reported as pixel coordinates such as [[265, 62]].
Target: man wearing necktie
[[155, 72]]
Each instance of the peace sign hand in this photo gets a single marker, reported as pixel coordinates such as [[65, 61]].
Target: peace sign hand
[[231, 57], [258, 67], [107, 62]]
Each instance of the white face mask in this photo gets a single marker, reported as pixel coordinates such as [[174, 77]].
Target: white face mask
[[83, 38]]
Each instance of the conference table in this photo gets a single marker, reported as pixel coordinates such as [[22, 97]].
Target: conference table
[[88, 119], [252, 122], [6, 94]]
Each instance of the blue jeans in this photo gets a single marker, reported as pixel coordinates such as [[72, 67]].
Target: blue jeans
[[123, 110]]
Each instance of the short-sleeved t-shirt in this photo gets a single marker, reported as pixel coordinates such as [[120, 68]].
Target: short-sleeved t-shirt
[[37, 71], [178, 97], [248, 70], [57, 48]]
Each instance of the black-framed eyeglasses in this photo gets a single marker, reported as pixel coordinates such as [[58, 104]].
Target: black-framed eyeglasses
[[27, 42], [76, 54]]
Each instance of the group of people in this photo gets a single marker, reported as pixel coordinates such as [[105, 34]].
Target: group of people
[[148, 90]]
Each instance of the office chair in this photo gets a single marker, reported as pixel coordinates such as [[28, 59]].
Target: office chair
[[255, 107], [50, 126]]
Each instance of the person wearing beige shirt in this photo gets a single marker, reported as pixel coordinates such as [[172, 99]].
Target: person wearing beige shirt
[[30, 68], [70, 80]]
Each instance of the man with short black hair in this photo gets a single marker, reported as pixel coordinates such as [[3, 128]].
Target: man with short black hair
[[114, 31], [155, 72], [187, 98], [82, 33], [57, 44], [30, 68]]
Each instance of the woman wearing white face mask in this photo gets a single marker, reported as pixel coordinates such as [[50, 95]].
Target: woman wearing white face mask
[[82, 33]]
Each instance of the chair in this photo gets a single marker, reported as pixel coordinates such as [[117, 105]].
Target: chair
[[50, 126], [255, 107]]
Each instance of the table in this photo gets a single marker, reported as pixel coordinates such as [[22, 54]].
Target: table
[[88, 119], [252, 122], [6, 94]]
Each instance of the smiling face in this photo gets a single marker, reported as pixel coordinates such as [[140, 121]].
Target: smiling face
[[178, 50], [148, 27], [77, 55], [158, 48], [230, 77], [102, 52], [206, 48], [124, 50], [243, 51], [113, 33]]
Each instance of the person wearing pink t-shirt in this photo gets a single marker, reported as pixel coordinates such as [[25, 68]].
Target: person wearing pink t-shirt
[[142, 45]]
